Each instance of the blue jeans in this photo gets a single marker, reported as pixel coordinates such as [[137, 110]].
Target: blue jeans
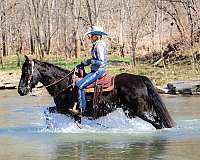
[[83, 83]]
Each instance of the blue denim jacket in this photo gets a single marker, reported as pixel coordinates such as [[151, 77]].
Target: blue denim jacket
[[99, 56]]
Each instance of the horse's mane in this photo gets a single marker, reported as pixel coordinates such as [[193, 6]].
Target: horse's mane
[[50, 66]]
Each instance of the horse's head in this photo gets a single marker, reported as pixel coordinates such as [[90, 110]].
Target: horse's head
[[29, 78]]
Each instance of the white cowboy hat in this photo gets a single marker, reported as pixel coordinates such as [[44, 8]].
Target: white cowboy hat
[[96, 31]]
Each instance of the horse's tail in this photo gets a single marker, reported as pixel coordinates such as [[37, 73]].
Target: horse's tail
[[158, 104]]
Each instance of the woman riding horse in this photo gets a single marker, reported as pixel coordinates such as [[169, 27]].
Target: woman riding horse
[[134, 94], [98, 65]]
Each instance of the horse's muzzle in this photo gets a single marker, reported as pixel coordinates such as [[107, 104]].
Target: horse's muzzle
[[23, 91]]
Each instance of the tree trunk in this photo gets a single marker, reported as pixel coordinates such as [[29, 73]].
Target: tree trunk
[[89, 13], [121, 42], [133, 44], [4, 43], [77, 47], [32, 44], [19, 49], [3, 36], [133, 50], [190, 19], [3, 27], [1, 59]]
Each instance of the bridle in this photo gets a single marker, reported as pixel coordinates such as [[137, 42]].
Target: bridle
[[30, 76]]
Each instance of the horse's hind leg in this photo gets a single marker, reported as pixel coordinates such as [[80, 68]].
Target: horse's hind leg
[[156, 123], [52, 109], [141, 107]]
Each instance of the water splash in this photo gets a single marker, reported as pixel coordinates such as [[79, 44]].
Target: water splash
[[115, 122]]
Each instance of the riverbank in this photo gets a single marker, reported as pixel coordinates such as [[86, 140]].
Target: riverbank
[[160, 76], [9, 79]]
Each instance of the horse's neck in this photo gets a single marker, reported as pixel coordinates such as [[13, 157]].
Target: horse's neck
[[50, 77]]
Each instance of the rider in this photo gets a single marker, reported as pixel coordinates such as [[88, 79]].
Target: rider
[[98, 64]]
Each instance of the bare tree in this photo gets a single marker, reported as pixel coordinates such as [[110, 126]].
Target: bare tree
[[136, 20], [3, 27], [42, 27]]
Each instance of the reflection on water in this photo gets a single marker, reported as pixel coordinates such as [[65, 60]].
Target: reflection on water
[[23, 133], [105, 147], [59, 147]]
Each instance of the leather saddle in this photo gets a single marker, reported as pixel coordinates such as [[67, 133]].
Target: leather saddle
[[106, 82]]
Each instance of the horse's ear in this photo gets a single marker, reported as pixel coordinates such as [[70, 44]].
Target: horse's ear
[[26, 58]]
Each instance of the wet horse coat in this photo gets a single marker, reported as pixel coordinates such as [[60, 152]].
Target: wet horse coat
[[134, 94]]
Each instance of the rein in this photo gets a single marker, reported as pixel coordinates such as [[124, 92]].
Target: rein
[[60, 79], [71, 85]]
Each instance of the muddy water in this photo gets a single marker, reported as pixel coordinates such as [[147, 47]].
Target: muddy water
[[23, 133]]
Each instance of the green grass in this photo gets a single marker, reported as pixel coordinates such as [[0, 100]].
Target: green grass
[[117, 65], [9, 63]]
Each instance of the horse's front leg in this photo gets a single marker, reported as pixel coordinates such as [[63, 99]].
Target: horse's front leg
[[77, 118], [47, 113]]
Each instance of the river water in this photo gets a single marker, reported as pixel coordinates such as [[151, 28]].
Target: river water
[[24, 133]]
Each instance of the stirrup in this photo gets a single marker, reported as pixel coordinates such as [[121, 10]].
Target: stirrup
[[74, 111]]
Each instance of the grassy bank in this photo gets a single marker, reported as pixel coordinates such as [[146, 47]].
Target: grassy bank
[[116, 65]]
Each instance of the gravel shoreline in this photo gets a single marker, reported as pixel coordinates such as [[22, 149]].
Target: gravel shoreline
[[9, 80]]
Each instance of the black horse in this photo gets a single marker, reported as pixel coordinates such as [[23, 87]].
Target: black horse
[[134, 94]]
